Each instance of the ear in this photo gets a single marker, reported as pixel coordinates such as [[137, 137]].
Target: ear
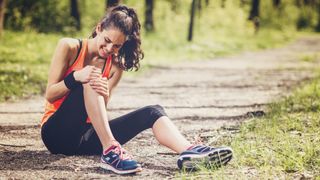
[[98, 28]]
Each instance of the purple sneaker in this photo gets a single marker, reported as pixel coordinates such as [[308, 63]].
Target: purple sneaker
[[118, 161], [195, 155]]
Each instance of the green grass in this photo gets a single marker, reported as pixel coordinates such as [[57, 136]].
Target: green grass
[[284, 144], [24, 63]]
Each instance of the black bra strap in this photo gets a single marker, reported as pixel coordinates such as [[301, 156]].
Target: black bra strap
[[80, 46], [80, 43]]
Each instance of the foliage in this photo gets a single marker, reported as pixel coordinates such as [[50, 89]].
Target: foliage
[[42, 16]]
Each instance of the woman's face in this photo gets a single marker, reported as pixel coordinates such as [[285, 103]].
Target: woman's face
[[109, 41]]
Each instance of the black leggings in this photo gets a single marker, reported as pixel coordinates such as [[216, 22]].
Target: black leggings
[[67, 132]]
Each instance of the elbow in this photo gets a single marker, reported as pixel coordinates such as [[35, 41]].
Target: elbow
[[49, 98]]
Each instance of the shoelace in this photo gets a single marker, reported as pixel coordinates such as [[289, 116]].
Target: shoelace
[[198, 141], [123, 154]]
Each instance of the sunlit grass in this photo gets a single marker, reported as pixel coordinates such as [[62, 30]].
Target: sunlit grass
[[24, 63], [283, 144]]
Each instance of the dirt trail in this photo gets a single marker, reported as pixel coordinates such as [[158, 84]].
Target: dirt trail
[[200, 97]]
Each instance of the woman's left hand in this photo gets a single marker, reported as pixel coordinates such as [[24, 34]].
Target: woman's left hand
[[100, 85]]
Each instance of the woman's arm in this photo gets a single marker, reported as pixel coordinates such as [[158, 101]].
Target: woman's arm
[[66, 49], [56, 88]]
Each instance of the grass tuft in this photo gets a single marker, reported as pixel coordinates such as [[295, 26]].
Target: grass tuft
[[282, 144]]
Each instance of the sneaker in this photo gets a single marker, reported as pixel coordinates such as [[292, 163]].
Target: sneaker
[[211, 157], [118, 161]]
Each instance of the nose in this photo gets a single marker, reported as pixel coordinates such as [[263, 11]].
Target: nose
[[109, 47]]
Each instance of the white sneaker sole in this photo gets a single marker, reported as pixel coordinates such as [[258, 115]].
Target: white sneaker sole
[[215, 158], [110, 168]]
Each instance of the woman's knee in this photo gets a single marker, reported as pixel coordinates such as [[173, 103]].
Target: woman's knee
[[152, 114]]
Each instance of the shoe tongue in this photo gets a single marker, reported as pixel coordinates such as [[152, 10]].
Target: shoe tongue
[[194, 146], [109, 149]]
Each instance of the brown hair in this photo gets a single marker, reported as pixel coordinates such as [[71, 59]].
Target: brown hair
[[126, 20]]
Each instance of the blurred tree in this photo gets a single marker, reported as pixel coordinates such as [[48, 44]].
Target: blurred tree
[[174, 5], [318, 24], [148, 24], [110, 3], [199, 6], [2, 9], [307, 11], [192, 12], [254, 14], [43, 16], [243, 2], [75, 13], [300, 3], [276, 3], [223, 3]]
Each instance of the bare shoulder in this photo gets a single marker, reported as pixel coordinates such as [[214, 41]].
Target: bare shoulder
[[69, 47], [69, 43]]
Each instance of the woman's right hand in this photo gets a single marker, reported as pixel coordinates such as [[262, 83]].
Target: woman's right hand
[[87, 73]]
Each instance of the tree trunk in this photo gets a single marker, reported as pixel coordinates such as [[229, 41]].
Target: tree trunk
[[242, 3], [207, 3], [254, 14], [199, 7], [110, 3], [276, 3], [223, 3], [2, 9], [174, 5], [148, 24], [318, 25], [193, 8], [75, 13]]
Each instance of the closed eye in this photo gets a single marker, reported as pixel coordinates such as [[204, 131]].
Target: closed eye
[[117, 46], [107, 40]]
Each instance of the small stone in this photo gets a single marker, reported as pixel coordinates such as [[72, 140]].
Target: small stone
[[305, 176]]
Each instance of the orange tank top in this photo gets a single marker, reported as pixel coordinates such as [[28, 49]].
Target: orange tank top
[[51, 108]]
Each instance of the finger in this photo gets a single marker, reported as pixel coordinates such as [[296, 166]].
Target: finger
[[96, 72], [99, 82], [98, 85], [100, 88], [93, 83], [103, 83], [94, 76], [102, 93], [96, 69], [104, 79]]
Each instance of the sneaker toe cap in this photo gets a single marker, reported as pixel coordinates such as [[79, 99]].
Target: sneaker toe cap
[[129, 164]]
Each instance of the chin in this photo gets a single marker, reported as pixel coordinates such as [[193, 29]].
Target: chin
[[103, 55]]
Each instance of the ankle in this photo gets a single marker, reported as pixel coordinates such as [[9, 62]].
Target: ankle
[[109, 144]]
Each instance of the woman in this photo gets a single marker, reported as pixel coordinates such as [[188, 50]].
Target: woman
[[82, 77]]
